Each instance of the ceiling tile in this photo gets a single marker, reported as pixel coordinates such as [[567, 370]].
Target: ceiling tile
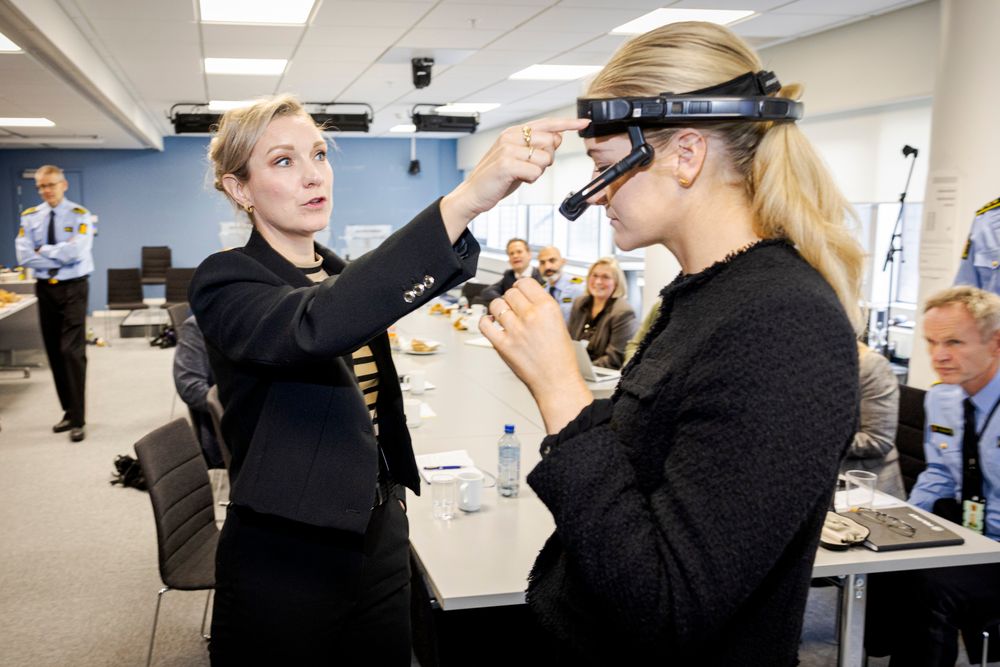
[[458, 16], [155, 10], [370, 14], [784, 25], [547, 41], [841, 7], [146, 30], [755, 5], [348, 36], [247, 37], [231, 87], [585, 20], [449, 39], [333, 55]]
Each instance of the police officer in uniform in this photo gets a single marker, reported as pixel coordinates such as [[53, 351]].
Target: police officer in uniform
[[980, 265], [55, 240], [961, 482], [562, 287]]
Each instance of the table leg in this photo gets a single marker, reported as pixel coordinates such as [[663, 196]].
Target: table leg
[[853, 597]]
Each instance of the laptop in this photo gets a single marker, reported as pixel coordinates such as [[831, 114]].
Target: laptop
[[589, 371]]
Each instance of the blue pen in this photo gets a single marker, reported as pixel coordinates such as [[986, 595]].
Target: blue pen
[[442, 467]]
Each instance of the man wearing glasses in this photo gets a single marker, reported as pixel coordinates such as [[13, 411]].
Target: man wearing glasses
[[961, 482], [55, 240]]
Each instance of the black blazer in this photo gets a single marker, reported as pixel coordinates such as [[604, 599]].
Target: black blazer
[[497, 289], [302, 441]]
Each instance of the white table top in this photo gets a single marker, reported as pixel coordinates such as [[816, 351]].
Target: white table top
[[25, 301], [483, 559]]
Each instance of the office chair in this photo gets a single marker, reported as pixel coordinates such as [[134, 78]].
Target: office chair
[[155, 262], [124, 293], [215, 409], [471, 290], [910, 434], [178, 281], [181, 494]]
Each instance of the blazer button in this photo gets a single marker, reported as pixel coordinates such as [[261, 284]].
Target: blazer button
[[428, 281], [409, 296], [418, 289]]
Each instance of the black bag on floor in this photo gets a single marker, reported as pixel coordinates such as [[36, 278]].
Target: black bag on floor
[[128, 472]]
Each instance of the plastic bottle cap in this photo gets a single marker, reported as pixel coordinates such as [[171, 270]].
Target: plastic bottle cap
[[508, 428]]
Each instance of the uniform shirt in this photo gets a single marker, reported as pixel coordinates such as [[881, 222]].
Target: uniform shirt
[[943, 449], [70, 257], [980, 264], [565, 290]]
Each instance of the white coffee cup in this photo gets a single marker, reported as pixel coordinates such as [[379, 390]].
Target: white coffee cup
[[470, 490], [411, 408], [417, 381]]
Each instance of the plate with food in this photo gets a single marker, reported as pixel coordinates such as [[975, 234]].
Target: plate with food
[[422, 346]]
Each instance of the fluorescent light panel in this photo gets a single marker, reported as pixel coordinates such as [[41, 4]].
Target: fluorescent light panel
[[246, 66], [661, 17], [555, 72], [226, 105], [285, 12], [466, 107], [7, 46], [404, 129], [26, 122]]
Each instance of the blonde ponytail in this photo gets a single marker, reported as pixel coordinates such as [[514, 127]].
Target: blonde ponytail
[[794, 197]]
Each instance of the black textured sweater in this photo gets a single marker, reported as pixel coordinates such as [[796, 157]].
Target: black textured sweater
[[688, 506]]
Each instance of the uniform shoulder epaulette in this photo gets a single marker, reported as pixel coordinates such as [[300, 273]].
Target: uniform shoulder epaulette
[[80, 209], [29, 211], [576, 280], [989, 207]]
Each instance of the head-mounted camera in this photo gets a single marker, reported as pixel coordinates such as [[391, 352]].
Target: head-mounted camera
[[744, 98]]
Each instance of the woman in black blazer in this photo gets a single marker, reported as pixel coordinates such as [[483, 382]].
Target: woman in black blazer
[[312, 565]]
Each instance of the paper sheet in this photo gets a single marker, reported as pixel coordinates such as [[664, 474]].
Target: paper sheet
[[456, 457]]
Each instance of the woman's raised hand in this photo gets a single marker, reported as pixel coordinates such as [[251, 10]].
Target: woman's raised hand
[[520, 155]]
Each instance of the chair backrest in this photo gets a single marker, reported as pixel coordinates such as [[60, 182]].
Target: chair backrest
[[471, 290], [124, 288], [215, 409], [910, 434], [156, 259], [178, 281], [181, 493], [177, 313]]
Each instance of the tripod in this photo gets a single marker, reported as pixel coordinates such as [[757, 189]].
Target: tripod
[[896, 246]]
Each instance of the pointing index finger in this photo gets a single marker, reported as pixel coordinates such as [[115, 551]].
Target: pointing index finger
[[559, 124]]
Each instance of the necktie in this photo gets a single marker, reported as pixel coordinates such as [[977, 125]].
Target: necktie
[[51, 240], [52, 228], [972, 474], [552, 290]]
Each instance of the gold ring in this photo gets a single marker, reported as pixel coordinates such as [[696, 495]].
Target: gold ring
[[501, 313], [526, 133], [531, 151]]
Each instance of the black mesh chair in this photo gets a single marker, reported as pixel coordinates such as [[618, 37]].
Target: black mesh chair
[[125, 290], [177, 313], [910, 434], [156, 259], [178, 281], [181, 494]]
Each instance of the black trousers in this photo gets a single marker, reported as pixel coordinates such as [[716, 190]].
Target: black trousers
[[915, 616], [292, 594], [62, 311]]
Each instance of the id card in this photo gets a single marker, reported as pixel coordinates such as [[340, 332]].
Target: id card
[[972, 515]]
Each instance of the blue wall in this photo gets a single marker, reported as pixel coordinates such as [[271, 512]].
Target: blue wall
[[166, 198]]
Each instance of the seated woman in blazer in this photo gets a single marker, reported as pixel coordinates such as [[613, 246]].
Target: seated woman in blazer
[[312, 565], [603, 316]]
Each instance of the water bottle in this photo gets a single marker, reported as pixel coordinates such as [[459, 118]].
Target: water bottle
[[509, 469]]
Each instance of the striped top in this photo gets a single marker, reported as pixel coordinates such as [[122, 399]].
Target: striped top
[[365, 368]]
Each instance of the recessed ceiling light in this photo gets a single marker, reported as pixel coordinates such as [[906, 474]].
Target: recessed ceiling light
[[26, 122], [403, 129], [466, 107], [286, 12], [660, 17], [556, 72], [7, 46], [226, 105], [251, 66]]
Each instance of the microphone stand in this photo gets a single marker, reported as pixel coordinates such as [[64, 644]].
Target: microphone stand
[[897, 234]]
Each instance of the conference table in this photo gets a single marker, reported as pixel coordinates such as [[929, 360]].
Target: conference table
[[482, 559], [19, 330]]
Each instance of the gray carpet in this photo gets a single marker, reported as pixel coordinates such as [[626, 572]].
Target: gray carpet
[[78, 571]]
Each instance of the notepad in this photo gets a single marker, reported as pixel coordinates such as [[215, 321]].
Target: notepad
[[481, 341], [456, 457]]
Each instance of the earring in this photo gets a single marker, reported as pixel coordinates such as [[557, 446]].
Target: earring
[[684, 183], [248, 209]]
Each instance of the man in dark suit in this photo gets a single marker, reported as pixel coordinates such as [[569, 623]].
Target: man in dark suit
[[519, 256]]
